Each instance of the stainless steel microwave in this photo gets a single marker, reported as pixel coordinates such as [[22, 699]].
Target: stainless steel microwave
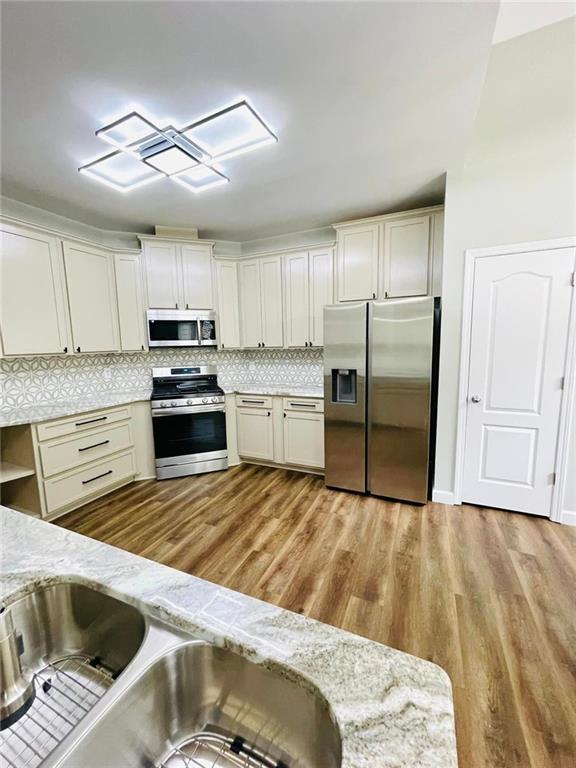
[[181, 328]]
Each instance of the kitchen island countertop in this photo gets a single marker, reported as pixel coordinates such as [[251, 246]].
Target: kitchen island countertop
[[393, 710]]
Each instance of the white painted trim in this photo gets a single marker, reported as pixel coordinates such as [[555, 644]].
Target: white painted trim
[[443, 497], [568, 518], [470, 256], [388, 216]]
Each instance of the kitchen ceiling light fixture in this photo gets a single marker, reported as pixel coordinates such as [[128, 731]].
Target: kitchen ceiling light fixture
[[145, 153]]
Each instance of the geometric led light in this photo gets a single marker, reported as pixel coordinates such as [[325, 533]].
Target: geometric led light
[[121, 170], [146, 153], [230, 132], [171, 160], [200, 178], [128, 130]]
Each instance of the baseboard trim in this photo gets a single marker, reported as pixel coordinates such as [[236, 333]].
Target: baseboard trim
[[568, 517], [443, 497]]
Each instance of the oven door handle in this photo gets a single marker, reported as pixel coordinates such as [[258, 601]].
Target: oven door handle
[[188, 410]]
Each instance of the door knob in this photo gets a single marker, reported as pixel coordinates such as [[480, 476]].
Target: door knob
[[476, 398]]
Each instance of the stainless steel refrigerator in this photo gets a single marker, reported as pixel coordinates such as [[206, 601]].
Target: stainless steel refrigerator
[[380, 364]]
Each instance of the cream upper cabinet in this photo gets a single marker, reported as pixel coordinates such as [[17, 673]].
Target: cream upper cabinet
[[131, 311], [309, 287], [250, 303], [271, 292], [406, 257], [255, 433], [33, 310], [296, 282], [228, 310], [357, 259], [321, 291], [92, 298], [163, 275], [197, 275], [261, 302]]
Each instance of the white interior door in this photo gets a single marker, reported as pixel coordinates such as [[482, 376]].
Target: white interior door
[[520, 323]]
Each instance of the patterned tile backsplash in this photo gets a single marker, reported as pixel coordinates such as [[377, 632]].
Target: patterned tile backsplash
[[38, 380]]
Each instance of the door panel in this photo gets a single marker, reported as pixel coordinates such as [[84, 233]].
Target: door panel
[[92, 299], [250, 307], [162, 273], [32, 299], [297, 281], [321, 270], [130, 302], [255, 433], [197, 276], [406, 257], [358, 263], [229, 316], [304, 439], [271, 298], [520, 320]]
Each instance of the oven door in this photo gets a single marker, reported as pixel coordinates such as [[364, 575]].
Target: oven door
[[186, 435], [173, 332]]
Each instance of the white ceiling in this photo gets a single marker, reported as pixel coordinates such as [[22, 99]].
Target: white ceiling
[[518, 17], [372, 103]]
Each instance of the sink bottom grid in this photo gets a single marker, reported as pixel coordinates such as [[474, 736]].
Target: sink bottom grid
[[66, 690], [210, 749]]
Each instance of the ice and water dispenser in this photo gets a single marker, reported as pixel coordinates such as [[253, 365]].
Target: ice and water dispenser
[[344, 385]]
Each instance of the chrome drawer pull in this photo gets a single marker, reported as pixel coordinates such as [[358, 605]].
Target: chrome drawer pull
[[96, 445], [303, 405], [253, 402], [90, 421], [97, 477]]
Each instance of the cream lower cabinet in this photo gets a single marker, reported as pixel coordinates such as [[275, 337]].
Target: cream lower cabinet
[[33, 309], [284, 431], [255, 433], [92, 298]]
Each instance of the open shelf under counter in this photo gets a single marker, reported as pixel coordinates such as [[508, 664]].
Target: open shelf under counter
[[9, 472]]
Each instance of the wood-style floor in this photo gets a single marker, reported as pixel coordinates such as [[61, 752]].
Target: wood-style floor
[[488, 595]]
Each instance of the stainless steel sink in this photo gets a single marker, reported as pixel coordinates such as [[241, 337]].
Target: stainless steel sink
[[200, 705], [117, 687], [75, 642]]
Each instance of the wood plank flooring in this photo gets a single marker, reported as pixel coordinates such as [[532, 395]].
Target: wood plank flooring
[[488, 595]]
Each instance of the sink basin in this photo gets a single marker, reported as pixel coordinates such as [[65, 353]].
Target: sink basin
[[76, 642], [201, 705]]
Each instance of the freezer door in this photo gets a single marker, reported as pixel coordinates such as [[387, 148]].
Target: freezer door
[[345, 396], [401, 332]]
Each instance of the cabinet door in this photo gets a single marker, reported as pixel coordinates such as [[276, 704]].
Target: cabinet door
[[92, 299], [250, 306], [296, 282], [130, 302], [33, 311], [406, 256], [271, 300], [321, 270], [304, 439], [197, 276], [358, 263], [162, 275], [255, 433], [228, 315]]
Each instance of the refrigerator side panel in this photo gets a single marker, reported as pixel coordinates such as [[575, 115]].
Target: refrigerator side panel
[[401, 334], [345, 396]]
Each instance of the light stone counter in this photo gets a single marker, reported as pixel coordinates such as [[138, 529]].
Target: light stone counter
[[278, 390], [393, 710]]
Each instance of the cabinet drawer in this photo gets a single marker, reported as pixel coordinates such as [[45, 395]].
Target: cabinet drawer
[[254, 401], [67, 453], [88, 482], [304, 404], [80, 423]]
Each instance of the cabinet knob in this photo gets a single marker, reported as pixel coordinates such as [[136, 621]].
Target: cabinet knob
[[142, 347], [263, 344], [373, 295], [65, 349], [78, 349], [268, 414], [476, 398]]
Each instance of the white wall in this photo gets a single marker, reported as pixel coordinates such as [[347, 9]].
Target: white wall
[[518, 184]]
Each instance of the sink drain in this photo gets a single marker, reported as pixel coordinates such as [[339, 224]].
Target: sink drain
[[208, 749]]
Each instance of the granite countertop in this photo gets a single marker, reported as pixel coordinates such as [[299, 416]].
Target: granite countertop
[[393, 710], [32, 413]]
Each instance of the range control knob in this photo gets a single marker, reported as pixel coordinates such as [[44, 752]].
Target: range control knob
[[205, 400], [163, 405], [173, 403], [214, 399], [189, 402]]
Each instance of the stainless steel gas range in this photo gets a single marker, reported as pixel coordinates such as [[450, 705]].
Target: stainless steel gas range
[[189, 421]]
